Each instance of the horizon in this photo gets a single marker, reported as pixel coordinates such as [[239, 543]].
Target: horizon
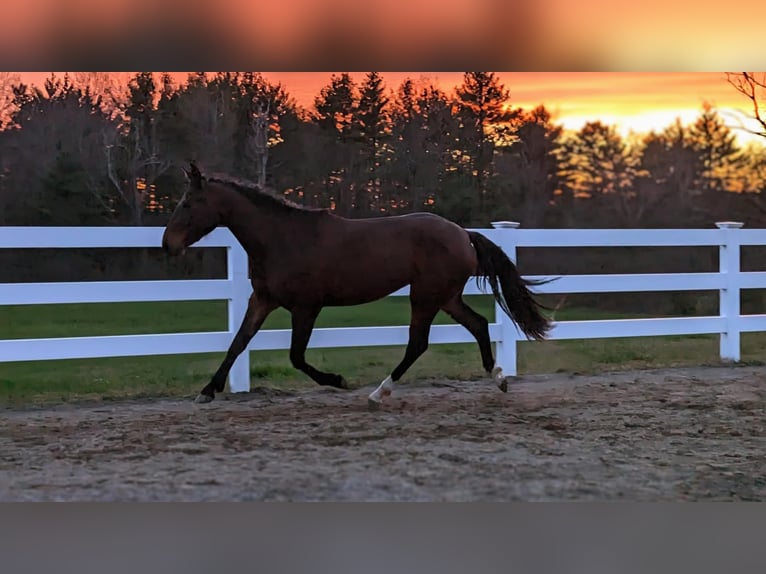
[[633, 102]]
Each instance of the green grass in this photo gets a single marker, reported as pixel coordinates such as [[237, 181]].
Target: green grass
[[184, 375]]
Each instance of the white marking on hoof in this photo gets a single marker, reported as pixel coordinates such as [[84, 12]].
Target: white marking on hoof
[[383, 390], [202, 399], [499, 378]]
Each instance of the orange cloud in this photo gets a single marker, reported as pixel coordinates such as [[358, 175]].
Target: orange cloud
[[290, 34]]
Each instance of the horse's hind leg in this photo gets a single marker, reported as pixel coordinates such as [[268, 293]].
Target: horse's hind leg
[[423, 313], [258, 308], [303, 323], [478, 326]]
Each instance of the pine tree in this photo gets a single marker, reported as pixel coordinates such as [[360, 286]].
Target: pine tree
[[527, 170], [717, 148], [482, 102], [598, 165], [334, 111], [335, 107], [373, 129], [423, 134]]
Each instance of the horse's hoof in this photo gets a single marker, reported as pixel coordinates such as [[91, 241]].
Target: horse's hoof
[[202, 399], [336, 382], [500, 380], [373, 405]]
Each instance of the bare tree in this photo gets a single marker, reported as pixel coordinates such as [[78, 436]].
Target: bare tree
[[753, 86], [52, 158], [133, 157], [126, 159], [257, 146], [207, 111]]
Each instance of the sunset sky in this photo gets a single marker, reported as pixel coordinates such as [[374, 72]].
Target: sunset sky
[[631, 100]]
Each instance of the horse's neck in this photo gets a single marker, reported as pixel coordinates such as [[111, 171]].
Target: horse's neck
[[254, 227]]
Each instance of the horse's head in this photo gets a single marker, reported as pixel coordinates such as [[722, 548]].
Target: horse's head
[[196, 215]]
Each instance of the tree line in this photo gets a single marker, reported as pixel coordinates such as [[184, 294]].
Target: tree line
[[87, 149]]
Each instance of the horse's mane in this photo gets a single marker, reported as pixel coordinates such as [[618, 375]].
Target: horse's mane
[[264, 197]]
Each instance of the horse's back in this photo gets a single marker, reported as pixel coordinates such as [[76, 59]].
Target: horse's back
[[354, 261], [419, 222], [416, 240]]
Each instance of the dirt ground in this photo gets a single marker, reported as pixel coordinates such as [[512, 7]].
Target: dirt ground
[[676, 434]]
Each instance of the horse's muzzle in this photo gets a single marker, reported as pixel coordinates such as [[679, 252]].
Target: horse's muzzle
[[171, 248]]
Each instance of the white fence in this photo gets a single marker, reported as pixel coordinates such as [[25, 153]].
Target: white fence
[[729, 281]]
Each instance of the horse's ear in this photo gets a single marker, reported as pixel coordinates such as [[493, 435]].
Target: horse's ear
[[194, 175]]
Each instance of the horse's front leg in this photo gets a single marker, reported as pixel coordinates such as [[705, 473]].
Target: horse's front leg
[[423, 313], [303, 320], [258, 308]]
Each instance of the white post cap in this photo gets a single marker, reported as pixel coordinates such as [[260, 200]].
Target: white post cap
[[505, 224]]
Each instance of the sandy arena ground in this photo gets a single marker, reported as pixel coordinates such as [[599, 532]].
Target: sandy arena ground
[[675, 434]]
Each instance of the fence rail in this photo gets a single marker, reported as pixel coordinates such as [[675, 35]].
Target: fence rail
[[728, 324]]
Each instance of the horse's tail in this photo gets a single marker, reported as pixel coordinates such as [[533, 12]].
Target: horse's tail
[[510, 288]]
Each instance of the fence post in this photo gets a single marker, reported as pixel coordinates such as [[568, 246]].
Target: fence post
[[505, 349], [729, 306], [237, 272]]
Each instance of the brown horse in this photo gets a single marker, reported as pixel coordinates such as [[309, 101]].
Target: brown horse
[[306, 259]]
